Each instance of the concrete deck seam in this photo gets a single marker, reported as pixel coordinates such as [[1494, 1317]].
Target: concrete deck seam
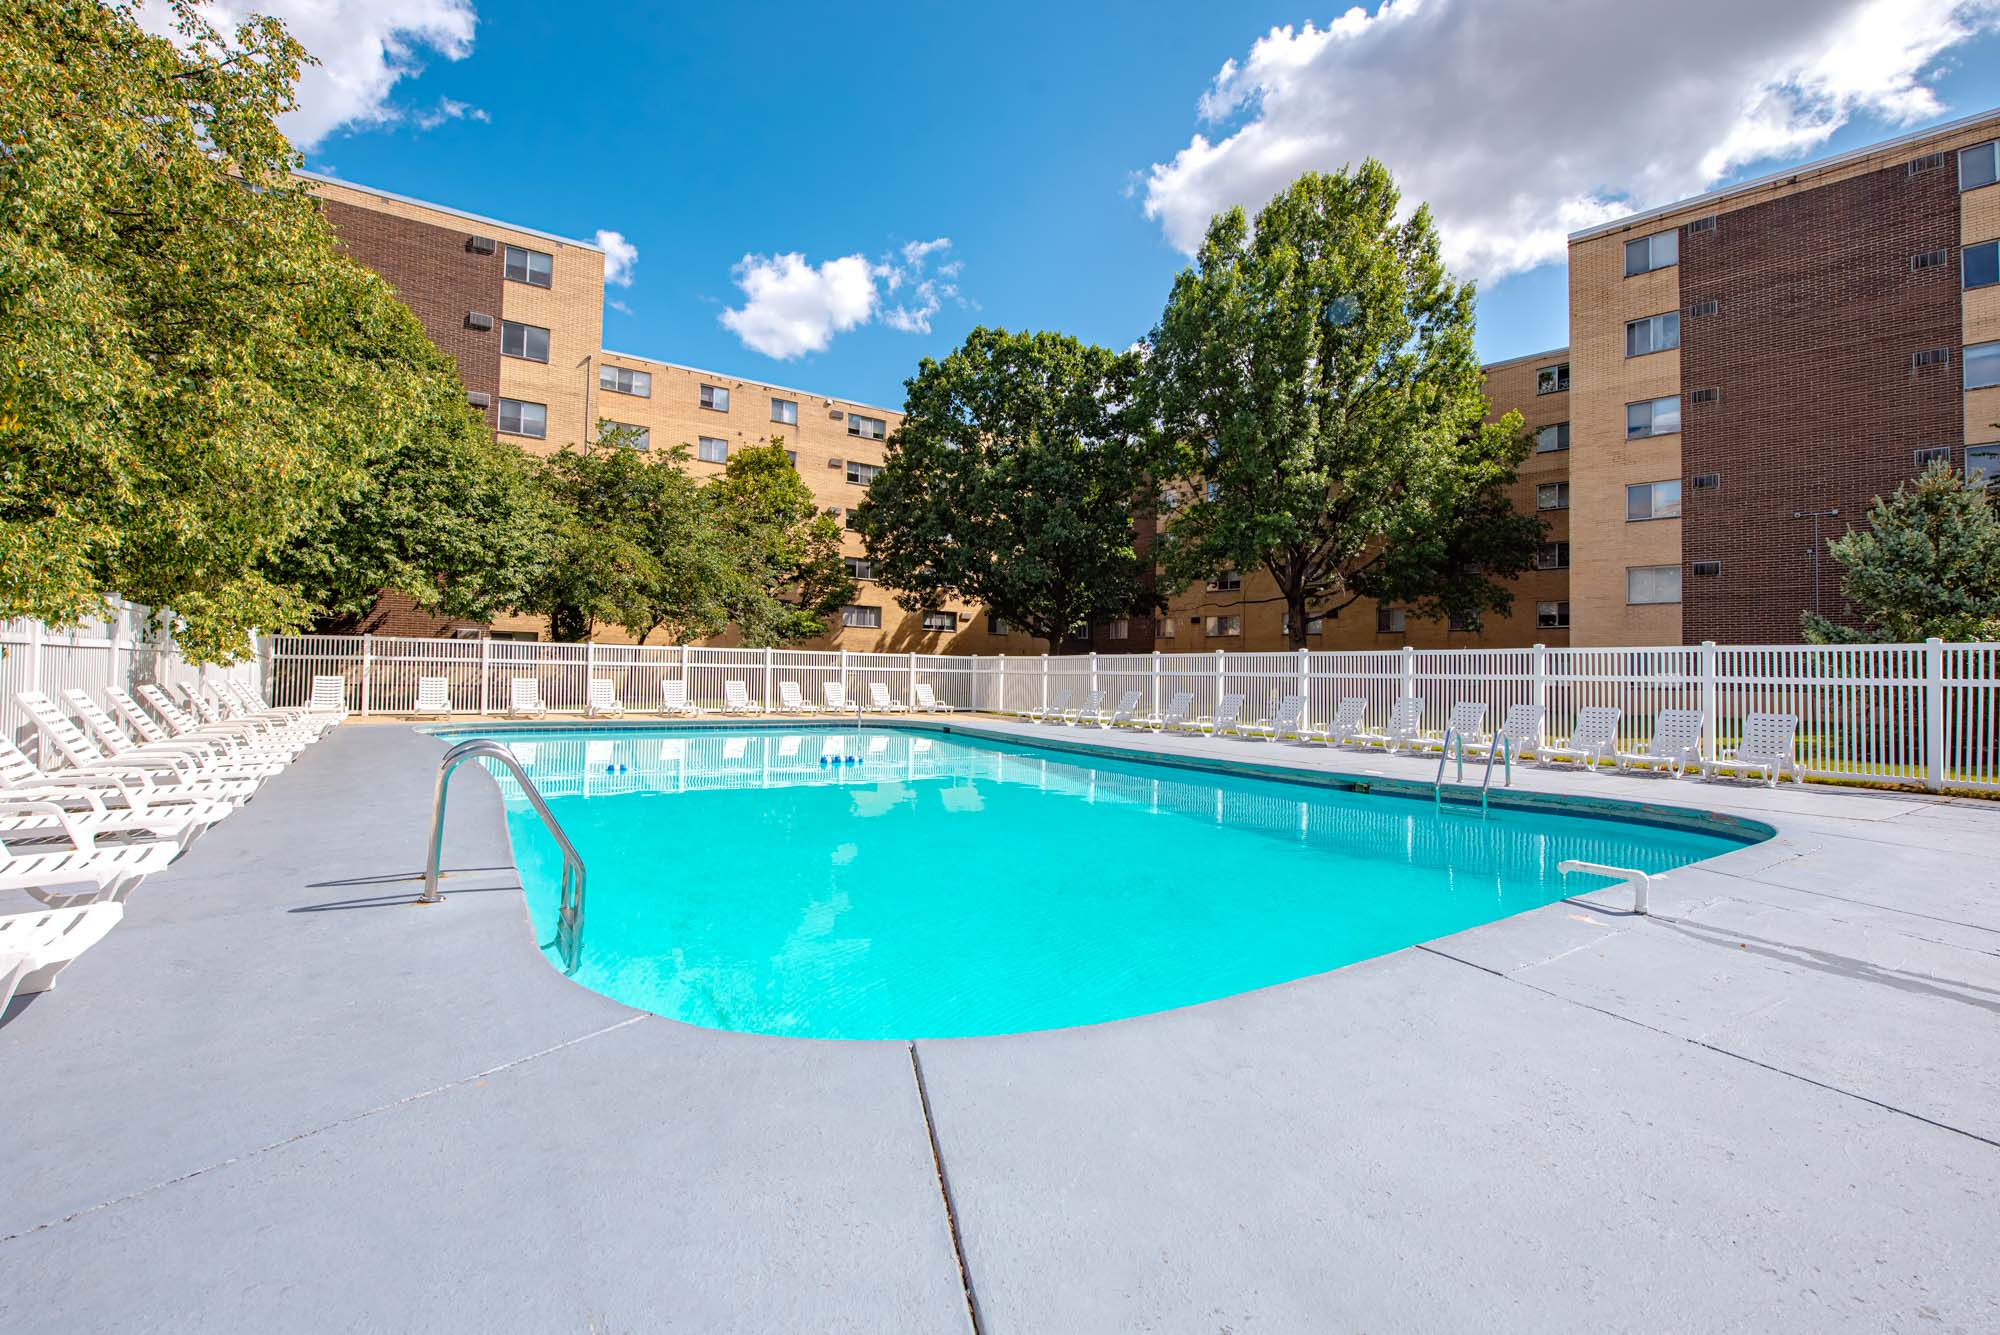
[[1714, 1047], [334, 1125], [1864, 903], [944, 1193]]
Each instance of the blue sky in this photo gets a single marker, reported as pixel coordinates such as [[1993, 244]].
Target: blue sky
[[1063, 150]]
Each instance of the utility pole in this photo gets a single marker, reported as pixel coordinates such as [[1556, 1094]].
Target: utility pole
[[1815, 516]]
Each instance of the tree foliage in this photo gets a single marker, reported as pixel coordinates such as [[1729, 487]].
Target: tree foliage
[[790, 578], [1011, 483], [1928, 564], [1318, 377]]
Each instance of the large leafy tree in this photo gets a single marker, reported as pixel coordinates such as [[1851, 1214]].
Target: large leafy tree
[[1928, 564], [789, 578], [1317, 375], [1011, 484]]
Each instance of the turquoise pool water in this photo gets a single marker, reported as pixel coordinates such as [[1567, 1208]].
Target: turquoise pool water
[[883, 884]]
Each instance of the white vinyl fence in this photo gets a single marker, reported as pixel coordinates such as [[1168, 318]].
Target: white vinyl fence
[[1904, 713], [113, 652]]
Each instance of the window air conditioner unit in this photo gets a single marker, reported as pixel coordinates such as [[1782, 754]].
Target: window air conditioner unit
[[479, 245], [479, 400], [478, 320], [837, 415], [836, 463]]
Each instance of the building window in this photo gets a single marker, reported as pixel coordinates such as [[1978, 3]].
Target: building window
[[1654, 417], [1552, 438], [940, 621], [1553, 556], [868, 428], [1389, 621], [524, 419], [1227, 581], [622, 380], [1707, 569], [530, 266], [1169, 500], [793, 455], [524, 340], [1551, 616], [861, 618], [1981, 265], [1163, 629], [853, 523], [786, 411], [996, 625], [1653, 500], [1314, 625], [1658, 251], [1978, 166], [1117, 629], [1655, 333], [1982, 366], [1652, 584], [710, 450], [1462, 621], [715, 398], [1223, 625], [862, 474], [1982, 464], [1552, 496], [859, 567], [1552, 379], [1212, 491], [632, 437], [1936, 454]]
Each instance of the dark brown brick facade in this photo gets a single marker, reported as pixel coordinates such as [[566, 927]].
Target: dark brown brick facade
[[438, 278], [1818, 316]]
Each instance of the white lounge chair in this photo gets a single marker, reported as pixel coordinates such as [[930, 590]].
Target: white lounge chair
[[736, 699], [1768, 751], [1173, 716], [109, 869], [255, 705], [1467, 719], [1051, 711], [791, 700], [433, 695], [835, 695], [1092, 707], [49, 813], [674, 699], [187, 767], [243, 738], [927, 701], [38, 945], [1226, 718], [139, 785], [1098, 716], [117, 744], [1521, 730], [1593, 741], [1405, 725], [329, 696], [524, 699], [1286, 719], [881, 701], [1347, 720], [1126, 710], [604, 701], [1675, 745]]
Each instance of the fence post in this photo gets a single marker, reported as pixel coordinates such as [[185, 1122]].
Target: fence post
[[1709, 699], [1045, 685], [843, 674], [485, 668], [114, 641], [1934, 714], [1538, 688], [1093, 669], [910, 695], [769, 659], [1000, 690], [1409, 673], [1221, 677], [1305, 687], [1155, 711], [367, 667], [34, 656]]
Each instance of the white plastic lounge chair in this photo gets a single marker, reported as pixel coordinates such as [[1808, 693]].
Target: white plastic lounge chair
[[1406, 724], [1228, 714], [1173, 716], [927, 701], [1052, 711], [1768, 751], [1284, 720], [881, 701], [1094, 712], [243, 739], [791, 700], [1092, 707], [1126, 710], [1467, 719], [835, 695], [255, 705], [433, 695], [736, 699], [329, 696], [114, 741], [1521, 729], [53, 813], [140, 786], [110, 870], [524, 700], [1594, 740], [674, 699], [1347, 720], [37, 945], [1675, 745], [185, 767], [604, 701], [217, 754]]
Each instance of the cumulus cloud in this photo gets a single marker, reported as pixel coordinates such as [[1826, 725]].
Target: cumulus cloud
[[1520, 121], [364, 47], [620, 257], [449, 109], [792, 307]]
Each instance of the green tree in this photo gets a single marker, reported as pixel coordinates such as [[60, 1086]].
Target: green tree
[[1928, 564], [1317, 375], [1011, 484], [788, 574]]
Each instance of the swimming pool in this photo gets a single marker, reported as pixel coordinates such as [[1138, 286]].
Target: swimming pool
[[891, 883]]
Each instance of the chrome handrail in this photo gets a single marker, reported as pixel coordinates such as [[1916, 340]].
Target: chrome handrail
[[1500, 743], [569, 912], [1449, 742]]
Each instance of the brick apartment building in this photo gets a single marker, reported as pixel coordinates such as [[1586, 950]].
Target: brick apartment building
[[1746, 363]]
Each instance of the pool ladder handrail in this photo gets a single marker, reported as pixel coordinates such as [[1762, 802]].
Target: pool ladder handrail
[[1502, 747], [569, 911], [1642, 882]]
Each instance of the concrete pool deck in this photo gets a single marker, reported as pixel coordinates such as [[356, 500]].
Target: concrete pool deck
[[278, 1097]]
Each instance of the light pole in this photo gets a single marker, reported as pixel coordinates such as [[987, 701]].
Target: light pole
[[1815, 516]]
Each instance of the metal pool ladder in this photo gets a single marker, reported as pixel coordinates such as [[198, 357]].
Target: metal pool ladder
[[1501, 749], [569, 914]]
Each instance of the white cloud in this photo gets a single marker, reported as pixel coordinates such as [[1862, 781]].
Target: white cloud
[[364, 48], [1520, 125], [449, 109], [793, 307], [620, 257]]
